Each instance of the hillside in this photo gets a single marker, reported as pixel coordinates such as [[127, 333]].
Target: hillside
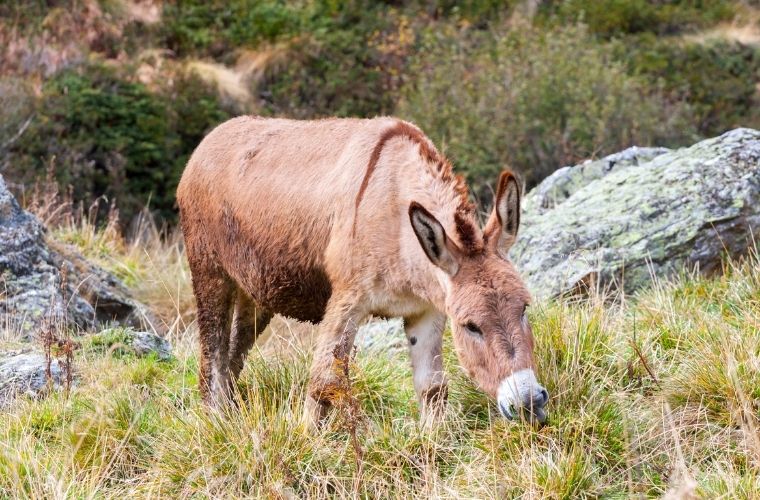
[[111, 97]]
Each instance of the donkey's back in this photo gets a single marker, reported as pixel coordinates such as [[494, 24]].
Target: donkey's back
[[259, 200]]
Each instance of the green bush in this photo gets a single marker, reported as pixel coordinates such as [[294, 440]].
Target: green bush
[[618, 17], [197, 27], [344, 58], [338, 68], [718, 79], [105, 135], [532, 100]]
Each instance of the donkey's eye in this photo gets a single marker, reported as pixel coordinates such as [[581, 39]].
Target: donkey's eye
[[473, 329]]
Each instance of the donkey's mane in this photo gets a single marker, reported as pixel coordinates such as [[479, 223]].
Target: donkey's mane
[[442, 170]]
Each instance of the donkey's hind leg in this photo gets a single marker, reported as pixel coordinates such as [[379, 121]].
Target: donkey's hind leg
[[214, 295], [247, 324]]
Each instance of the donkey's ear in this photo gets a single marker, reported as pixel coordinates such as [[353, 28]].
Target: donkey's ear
[[432, 237], [502, 225]]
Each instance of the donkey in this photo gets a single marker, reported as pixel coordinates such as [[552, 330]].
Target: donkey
[[336, 220]]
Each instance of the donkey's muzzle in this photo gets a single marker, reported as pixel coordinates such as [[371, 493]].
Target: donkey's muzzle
[[520, 395]]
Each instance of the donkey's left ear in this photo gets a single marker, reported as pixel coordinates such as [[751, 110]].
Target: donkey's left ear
[[502, 225]]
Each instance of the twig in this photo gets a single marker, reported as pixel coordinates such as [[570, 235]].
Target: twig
[[18, 133], [347, 402]]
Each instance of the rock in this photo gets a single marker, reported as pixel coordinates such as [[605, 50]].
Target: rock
[[128, 341], [25, 373], [567, 180], [381, 335], [617, 223], [46, 285], [146, 343]]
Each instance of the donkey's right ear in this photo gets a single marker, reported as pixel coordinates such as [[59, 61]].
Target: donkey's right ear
[[432, 237], [501, 229]]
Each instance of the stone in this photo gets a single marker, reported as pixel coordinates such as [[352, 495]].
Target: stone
[[25, 374], [128, 341], [147, 343], [44, 284], [384, 335], [565, 181], [619, 223]]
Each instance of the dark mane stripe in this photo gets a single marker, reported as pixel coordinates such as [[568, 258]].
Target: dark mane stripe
[[464, 224], [400, 129]]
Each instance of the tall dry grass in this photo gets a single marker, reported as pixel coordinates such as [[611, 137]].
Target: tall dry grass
[[655, 395], [148, 259]]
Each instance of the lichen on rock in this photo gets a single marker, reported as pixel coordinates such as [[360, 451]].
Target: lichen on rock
[[689, 207], [25, 373]]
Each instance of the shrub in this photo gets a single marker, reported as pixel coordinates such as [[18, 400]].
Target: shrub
[[717, 79], [345, 58], [348, 61], [532, 100], [618, 17], [211, 28], [102, 134], [105, 135]]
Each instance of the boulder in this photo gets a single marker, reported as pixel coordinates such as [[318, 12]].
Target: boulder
[[147, 343], [381, 335], [25, 373], [43, 286], [567, 180], [619, 221], [128, 341]]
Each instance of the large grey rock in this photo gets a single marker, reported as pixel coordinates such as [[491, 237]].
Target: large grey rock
[[42, 286], [25, 373], [592, 225], [383, 335], [565, 181]]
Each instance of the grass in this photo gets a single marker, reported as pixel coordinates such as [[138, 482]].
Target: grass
[[652, 395]]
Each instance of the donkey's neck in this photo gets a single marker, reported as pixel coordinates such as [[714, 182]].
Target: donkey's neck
[[424, 278]]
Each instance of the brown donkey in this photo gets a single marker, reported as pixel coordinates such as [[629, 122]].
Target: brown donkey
[[336, 220]]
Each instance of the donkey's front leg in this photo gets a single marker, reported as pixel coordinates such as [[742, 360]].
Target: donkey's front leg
[[425, 335], [331, 355]]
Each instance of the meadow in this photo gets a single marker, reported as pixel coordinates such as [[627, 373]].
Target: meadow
[[656, 394]]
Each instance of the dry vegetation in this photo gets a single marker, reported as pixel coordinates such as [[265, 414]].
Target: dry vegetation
[[651, 395]]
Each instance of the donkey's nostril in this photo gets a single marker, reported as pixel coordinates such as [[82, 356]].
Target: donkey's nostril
[[537, 398]]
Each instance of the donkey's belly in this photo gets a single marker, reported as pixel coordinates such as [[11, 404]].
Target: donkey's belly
[[281, 277], [301, 295]]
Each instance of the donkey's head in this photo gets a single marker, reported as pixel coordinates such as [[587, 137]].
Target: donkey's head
[[487, 301]]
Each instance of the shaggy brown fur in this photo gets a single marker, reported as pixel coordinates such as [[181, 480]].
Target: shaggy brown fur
[[333, 221]]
